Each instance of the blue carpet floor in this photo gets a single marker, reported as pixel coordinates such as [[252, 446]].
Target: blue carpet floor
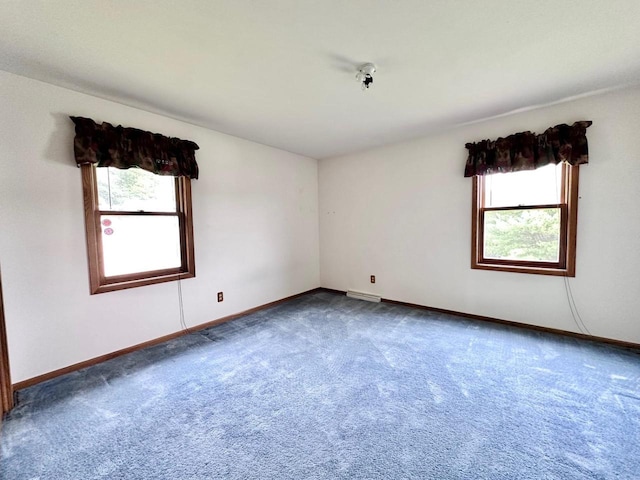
[[326, 387]]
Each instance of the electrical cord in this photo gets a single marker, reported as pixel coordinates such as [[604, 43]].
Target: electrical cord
[[183, 323], [574, 308], [577, 319]]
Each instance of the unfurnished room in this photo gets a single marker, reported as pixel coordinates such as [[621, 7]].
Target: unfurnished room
[[300, 239]]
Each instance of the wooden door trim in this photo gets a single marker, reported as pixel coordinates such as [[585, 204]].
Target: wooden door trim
[[6, 389]]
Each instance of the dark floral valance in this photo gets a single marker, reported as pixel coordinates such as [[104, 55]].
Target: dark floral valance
[[528, 151], [107, 146]]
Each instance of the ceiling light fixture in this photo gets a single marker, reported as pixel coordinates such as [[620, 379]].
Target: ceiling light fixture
[[365, 75]]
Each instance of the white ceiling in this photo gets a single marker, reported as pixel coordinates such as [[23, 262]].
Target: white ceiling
[[282, 72]]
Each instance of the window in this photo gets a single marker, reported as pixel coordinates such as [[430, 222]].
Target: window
[[139, 227], [526, 221]]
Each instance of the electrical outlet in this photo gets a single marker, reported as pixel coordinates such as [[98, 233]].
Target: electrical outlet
[[220, 297], [373, 279]]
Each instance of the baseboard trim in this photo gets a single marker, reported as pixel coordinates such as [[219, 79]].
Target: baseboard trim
[[526, 326], [103, 358]]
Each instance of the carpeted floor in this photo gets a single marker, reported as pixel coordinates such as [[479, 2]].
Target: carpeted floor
[[326, 387]]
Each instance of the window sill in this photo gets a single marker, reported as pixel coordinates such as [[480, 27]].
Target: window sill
[[559, 272], [124, 284]]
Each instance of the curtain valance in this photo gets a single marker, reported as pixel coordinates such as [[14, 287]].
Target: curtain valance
[[528, 151], [107, 146]]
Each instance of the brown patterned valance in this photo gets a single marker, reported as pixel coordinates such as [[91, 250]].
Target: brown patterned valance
[[107, 146], [528, 151]]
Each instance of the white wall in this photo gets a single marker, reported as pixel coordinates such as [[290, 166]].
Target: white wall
[[403, 213], [400, 212], [255, 225]]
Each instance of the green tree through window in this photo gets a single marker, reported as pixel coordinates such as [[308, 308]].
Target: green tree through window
[[532, 234]]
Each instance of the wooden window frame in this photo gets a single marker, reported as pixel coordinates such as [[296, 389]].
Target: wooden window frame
[[566, 266], [98, 282]]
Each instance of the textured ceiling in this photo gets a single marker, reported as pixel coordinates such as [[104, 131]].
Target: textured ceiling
[[282, 72]]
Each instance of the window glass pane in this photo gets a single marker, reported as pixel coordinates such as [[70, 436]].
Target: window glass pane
[[135, 190], [532, 234], [133, 244], [533, 187]]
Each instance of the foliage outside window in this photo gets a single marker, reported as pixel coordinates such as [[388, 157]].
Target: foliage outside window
[[139, 227], [526, 221]]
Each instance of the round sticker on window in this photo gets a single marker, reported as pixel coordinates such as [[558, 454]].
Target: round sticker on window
[[106, 222], [108, 231]]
